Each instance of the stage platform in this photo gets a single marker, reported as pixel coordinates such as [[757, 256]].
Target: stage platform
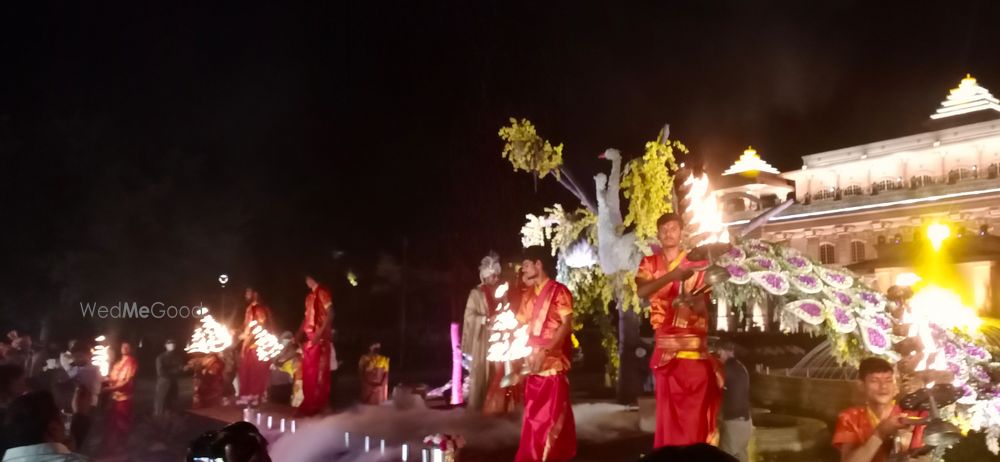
[[233, 413]]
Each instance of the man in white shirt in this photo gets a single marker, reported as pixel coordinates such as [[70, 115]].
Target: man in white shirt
[[86, 378], [34, 430], [85, 374]]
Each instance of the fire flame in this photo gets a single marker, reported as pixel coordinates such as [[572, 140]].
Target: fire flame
[[99, 355], [934, 305], [702, 214], [945, 308], [267, 344], [210, 337], [508, 339], [501, 291]]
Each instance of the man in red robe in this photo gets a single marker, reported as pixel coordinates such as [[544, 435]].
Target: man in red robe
[[254, 373], [121, 381], [873, 432], [316, 349], [688, 378], [548, 432]]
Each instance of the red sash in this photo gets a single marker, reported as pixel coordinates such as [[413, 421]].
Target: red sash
[[539, 312]]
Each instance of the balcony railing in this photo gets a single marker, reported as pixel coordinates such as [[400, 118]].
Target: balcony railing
[[917, 182]]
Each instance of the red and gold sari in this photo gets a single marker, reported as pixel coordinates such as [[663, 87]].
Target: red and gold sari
[[316, 353], [253, 373]]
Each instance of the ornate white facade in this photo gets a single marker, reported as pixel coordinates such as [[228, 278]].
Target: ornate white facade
[[852, 201]]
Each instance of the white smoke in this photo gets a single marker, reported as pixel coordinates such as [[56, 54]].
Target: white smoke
[[323, 439]]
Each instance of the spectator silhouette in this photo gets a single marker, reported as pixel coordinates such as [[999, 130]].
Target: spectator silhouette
[[239, 442], [34, 431]]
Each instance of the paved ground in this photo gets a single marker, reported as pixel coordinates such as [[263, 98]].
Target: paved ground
[[156, 440]]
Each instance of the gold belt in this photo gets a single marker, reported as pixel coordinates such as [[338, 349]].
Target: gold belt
[[683, 346]]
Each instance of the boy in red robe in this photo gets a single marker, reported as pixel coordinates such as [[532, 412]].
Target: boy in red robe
[[374, 371], [872, 432], [208, 380], [688, 378], [121, 381], [316, 349], [253, 373], [548, 432]]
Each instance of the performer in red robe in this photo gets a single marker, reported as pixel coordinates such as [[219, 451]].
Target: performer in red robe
[[121, 381], [374, 371], [879, 430], [316, 349], [548, 432], [688, 378], [254, 373], [208, 380]]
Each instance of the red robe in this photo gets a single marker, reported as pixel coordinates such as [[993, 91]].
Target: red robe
[[209, 385], [119, 420], [688, 378], [548, 432], [855, 425], [253, 372], [316, 353]]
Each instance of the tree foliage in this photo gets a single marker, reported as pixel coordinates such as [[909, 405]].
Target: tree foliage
[[648, 185], [529, 152]]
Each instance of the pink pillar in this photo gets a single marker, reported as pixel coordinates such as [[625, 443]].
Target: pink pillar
[[456, 365]]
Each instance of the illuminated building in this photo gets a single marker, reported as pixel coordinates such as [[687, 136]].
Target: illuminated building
[[863, 206]]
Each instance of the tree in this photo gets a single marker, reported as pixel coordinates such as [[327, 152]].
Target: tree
[[613, 241]]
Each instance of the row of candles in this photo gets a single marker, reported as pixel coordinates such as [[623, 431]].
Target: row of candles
[[426, 454]]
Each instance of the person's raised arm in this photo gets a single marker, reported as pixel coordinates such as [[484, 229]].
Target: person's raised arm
[[647, 287]]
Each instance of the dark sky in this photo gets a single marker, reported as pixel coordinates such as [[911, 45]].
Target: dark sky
[[147, 148]]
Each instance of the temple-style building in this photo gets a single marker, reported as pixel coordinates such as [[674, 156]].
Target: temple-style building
[[866, 207]]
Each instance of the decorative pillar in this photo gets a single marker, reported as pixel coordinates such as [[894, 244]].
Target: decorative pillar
[[456, 365], [979, 161]]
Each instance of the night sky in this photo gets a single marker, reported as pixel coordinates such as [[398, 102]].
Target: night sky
[[148, 148]]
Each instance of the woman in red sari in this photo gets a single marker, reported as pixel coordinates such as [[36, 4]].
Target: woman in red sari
[[316, 349], [253, 372]]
